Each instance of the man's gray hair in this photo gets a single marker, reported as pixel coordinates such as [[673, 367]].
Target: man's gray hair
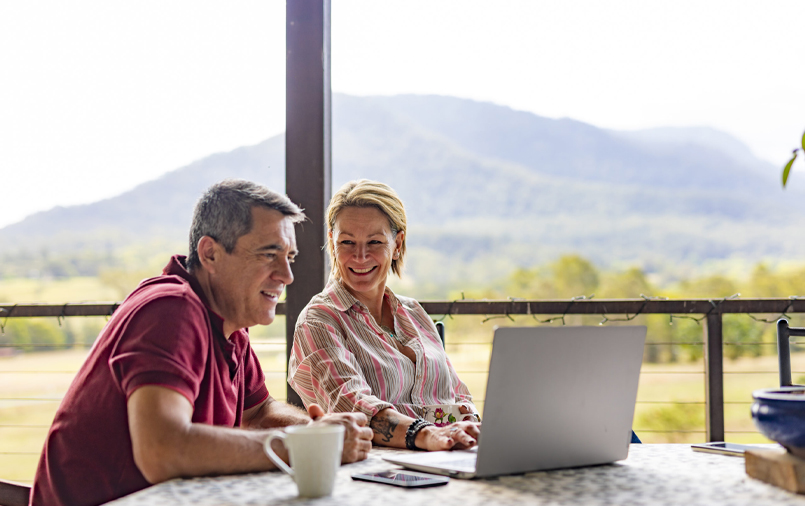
[[224, 213]]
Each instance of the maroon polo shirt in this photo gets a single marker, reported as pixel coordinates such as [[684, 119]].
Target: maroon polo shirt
[[162, 334]]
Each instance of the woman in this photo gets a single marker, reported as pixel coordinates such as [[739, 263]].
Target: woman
[[359, 347]]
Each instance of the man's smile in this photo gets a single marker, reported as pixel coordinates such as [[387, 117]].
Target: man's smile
[[272, 295]]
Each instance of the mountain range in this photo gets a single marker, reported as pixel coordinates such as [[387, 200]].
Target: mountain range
[[487, 188]]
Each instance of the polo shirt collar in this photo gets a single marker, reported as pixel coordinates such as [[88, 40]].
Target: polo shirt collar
[[230, 347], [343, 300], [177, 267]]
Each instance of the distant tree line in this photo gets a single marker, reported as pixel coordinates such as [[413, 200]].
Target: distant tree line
[[56, 264], [677, 338], [681, 337], [47, 264]]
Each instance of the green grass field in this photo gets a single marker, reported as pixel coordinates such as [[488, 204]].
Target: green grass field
[[670, 404], [30, 382]]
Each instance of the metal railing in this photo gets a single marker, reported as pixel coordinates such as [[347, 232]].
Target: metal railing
[[708, 311]]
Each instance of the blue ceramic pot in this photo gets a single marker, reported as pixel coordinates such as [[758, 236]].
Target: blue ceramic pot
[[779, 414]]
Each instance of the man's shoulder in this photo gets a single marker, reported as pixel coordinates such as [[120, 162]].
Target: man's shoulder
[[168, 290], [164, 312]]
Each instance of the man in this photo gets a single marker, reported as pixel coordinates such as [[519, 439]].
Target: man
[[172, 382]]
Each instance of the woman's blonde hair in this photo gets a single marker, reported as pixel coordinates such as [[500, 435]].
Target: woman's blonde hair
[[366, 193]]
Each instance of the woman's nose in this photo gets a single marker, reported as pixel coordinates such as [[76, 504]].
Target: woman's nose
[[361, 250]]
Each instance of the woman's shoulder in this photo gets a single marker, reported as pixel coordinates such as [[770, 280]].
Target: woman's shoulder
[[321, 310], [413, 307], [408, 302], [415, 311]]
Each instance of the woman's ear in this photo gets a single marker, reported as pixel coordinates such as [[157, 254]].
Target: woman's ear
[[331, 251], [398, 242], [331, 243]]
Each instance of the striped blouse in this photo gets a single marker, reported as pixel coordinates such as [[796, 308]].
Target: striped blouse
[[343, 361]]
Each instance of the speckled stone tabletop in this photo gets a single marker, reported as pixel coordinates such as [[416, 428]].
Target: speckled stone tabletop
[[652, 475]]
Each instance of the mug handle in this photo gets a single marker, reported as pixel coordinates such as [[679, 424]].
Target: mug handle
[[273, 456]]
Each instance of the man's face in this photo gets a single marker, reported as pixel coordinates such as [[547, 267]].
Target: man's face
[[248, 282]]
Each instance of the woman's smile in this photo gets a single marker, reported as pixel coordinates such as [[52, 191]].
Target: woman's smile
[[362, 271]]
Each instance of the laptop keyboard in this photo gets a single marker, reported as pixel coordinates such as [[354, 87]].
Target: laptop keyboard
[[453, 460], [465, 463]]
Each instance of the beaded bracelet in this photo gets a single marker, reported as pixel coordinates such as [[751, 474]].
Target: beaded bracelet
[[413, 429]]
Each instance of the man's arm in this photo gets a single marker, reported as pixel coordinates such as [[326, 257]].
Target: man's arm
[[272, 414], [167, 444]]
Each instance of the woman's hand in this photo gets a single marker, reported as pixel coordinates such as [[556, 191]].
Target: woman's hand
[[458, 436], [465, 410], [390, 427]]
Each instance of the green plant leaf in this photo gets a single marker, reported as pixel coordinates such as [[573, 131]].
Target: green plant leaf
[[787, 168], [803, 142]]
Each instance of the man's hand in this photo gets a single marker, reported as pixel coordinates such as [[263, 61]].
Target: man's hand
[[357, 436]]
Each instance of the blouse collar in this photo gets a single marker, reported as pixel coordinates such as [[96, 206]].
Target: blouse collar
[[343, 300]]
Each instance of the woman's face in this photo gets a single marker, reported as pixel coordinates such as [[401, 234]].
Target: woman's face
[[364, 248]]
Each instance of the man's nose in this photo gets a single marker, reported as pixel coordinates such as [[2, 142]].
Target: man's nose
[[284, 273]]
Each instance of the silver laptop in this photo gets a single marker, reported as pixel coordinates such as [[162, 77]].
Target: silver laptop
[[556, 397]]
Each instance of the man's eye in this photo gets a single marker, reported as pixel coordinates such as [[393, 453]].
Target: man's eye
[[291, 260], [270, 256]]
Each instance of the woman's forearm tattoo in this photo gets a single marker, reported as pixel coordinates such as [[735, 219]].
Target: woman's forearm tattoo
[[384, 426]]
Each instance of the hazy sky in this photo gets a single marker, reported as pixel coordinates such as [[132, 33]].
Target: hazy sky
[[98, 96]]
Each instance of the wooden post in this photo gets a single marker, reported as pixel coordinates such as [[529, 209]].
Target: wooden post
[[307, 148], [14, 494], [714, 377]]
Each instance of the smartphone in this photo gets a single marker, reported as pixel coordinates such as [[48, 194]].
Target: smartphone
[[407, 479], [723, 448]]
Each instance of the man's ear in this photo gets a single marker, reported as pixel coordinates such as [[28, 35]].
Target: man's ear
[[208, 252]]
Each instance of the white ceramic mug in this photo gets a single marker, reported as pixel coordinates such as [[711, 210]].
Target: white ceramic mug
[[315, 454]]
